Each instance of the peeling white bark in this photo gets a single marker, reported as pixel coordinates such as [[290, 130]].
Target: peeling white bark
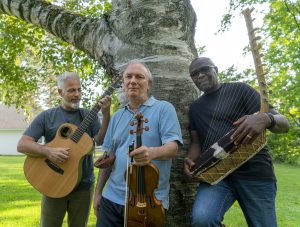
[[158, 32]]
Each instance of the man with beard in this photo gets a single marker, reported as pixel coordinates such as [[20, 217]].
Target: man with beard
[[77, 203], [221, 108]]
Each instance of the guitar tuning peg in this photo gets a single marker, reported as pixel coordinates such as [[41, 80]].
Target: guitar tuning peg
[[131, 131], [255, 39], [132, 123], [262, 83], [146, 120], [259, 46], [146, 128], [262, 74], [254, 30]]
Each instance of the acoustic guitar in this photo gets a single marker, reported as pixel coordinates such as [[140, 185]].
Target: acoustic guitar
[[55, 179]]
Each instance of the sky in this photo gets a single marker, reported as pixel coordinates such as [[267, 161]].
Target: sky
[[226, 48]]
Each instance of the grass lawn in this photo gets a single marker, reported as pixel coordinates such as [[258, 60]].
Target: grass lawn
[[287, 200], [20, 203]]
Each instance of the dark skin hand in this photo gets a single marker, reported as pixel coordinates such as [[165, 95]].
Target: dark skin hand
[[194, 153], [188, 164], [249, 127]]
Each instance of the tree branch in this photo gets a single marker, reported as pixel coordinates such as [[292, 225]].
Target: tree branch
[[84, 33]]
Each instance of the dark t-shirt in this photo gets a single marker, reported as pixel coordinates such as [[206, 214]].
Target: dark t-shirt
[[212, 116], [47, 123]]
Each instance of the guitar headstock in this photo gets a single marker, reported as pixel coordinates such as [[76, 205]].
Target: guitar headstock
[[116, 83]]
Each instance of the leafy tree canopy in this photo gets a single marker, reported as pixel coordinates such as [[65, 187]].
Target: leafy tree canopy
[[32, 58]]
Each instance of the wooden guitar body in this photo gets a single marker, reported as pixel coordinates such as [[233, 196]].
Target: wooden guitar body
[[57, 180]]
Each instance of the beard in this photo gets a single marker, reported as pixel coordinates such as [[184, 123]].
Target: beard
[[205, 86], [75, 105], [72, 104]]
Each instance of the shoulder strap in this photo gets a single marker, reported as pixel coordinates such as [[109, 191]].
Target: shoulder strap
[[82, 113]]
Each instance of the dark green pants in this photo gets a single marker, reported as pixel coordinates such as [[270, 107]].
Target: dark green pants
[[77, 204]]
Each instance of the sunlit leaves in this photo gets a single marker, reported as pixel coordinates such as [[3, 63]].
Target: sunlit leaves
[[31, 59]]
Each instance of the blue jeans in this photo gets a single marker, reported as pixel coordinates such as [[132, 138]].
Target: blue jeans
[[110, 214], [256, 199]]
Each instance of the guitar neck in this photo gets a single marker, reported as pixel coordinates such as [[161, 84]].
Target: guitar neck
[[85, 123], [92, 114], [260, 74]]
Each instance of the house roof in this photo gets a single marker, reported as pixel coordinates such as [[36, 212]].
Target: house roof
[[10, 118]]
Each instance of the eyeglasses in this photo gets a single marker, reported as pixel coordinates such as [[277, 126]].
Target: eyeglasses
[[202, 70]]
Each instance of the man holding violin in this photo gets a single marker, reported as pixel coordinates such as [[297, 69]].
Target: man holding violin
[[159, 146]]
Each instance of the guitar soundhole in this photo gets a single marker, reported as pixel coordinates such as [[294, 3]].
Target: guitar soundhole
[[65, 132]]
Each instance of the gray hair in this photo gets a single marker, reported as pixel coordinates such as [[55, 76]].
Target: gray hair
[[61, 79], [137, 61]]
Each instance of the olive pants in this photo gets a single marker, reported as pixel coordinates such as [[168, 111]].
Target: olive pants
[[77, 204]]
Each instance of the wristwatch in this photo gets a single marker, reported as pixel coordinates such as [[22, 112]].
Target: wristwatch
[[273, 122]]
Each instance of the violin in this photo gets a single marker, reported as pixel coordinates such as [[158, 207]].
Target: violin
[[142, 208]]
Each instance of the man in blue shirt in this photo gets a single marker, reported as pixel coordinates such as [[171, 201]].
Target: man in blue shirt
[[159, 145]]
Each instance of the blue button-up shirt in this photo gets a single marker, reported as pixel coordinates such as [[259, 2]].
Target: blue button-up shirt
[[163, 128]]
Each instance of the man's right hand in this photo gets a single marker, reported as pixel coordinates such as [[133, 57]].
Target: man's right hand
[[58, 154], [187, 165]]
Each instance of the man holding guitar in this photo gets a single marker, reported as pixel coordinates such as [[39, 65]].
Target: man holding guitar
[[76, 203], [160, 144], [221, 108]]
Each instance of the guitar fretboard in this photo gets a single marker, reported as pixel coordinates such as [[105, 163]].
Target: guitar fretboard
[[75, 137]]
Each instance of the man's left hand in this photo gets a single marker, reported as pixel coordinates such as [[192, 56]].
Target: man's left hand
[[249, 127], [141, 155], [105, 105]]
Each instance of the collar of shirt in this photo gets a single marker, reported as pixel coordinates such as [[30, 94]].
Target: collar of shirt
[[149, 102]]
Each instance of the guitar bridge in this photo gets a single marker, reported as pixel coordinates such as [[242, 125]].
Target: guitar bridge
[[54, 167]]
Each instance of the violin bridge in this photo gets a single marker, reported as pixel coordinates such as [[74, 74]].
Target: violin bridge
[[141, 205]]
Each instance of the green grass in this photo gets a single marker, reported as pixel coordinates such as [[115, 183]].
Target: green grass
[[20, 203], [287, 199]]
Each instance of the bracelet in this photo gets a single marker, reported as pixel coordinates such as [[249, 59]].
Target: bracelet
[[273, 122]]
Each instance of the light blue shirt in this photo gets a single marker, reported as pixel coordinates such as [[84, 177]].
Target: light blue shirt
[[163, 128]]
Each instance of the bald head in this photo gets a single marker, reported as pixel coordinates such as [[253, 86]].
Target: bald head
[[201, 62], [138, 62]]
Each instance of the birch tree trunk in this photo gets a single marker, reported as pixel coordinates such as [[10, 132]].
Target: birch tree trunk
[[158, 32]]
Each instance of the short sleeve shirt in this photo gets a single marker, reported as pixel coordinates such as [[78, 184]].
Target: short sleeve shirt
[[163, 128]]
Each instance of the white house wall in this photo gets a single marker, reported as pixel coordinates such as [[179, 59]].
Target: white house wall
[[9, 141]]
